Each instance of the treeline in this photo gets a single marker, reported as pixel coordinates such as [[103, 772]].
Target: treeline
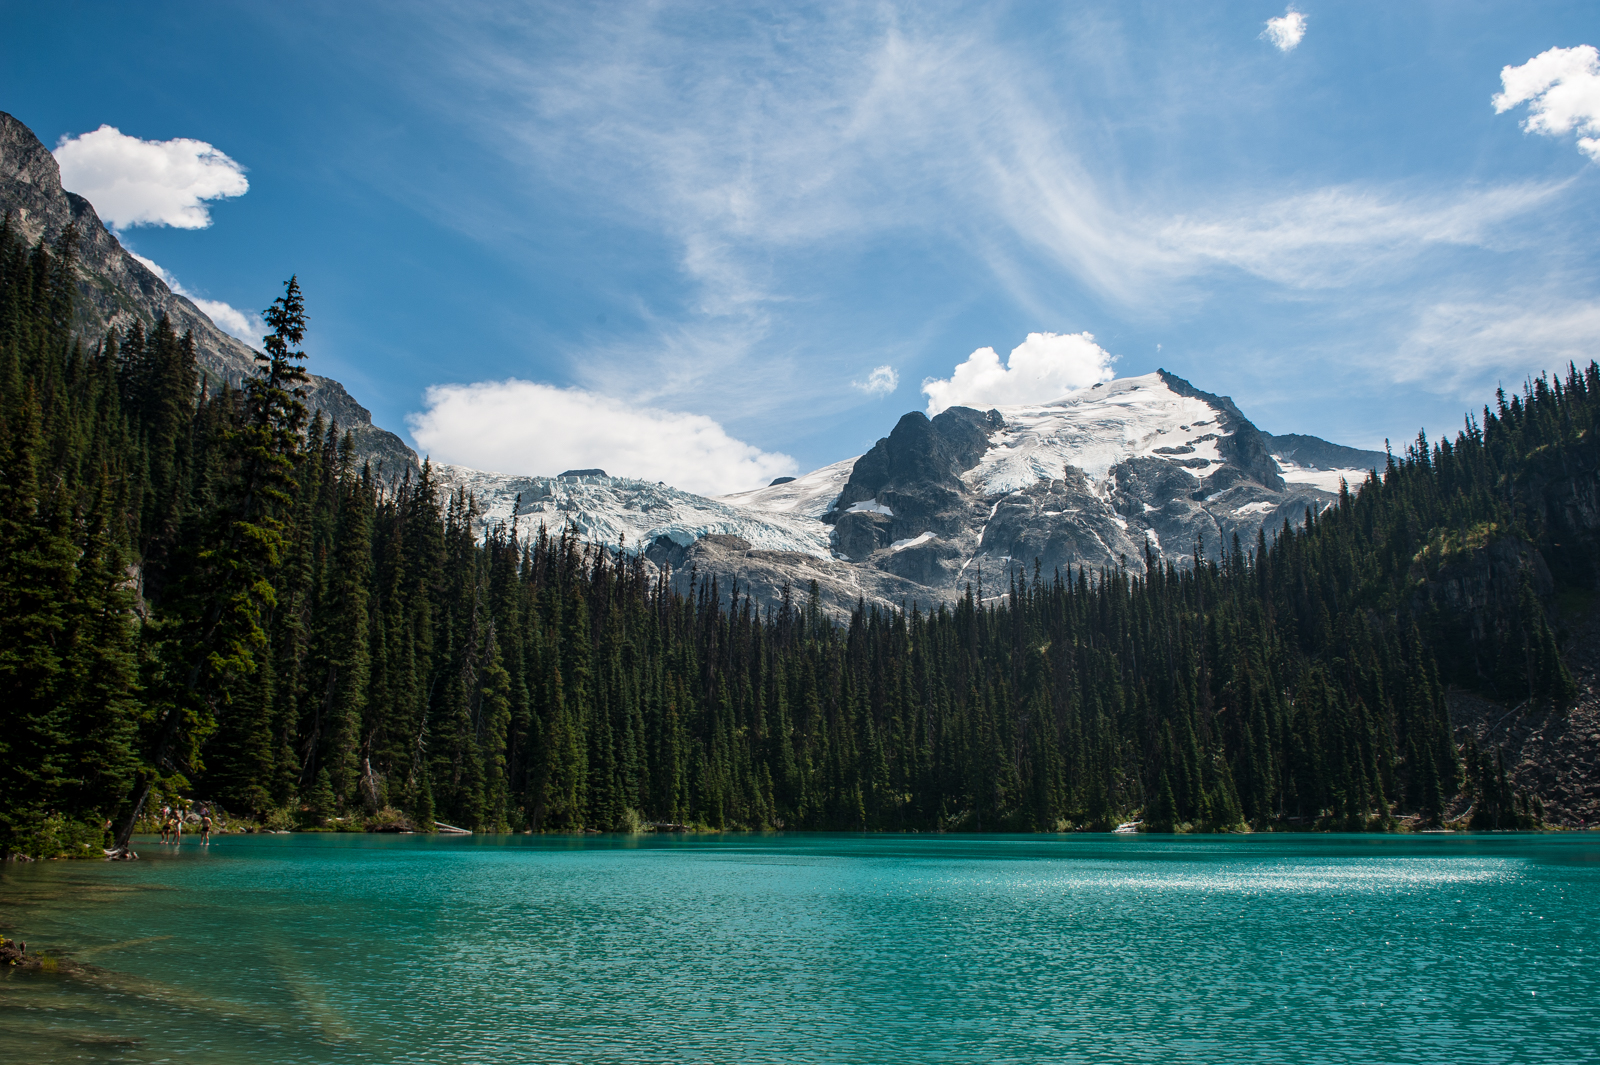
[[203, 592]]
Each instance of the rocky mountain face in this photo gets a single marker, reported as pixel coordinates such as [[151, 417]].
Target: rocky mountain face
[[1146, 467], [1139, 468], [117, 288]]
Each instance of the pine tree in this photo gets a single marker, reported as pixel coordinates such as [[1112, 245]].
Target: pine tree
[[217, 617]]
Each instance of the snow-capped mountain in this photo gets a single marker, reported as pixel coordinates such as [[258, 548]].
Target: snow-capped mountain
[[640, 515], [1096, 478]]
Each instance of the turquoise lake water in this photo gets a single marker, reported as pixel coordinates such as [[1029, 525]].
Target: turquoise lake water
[[776, 948]]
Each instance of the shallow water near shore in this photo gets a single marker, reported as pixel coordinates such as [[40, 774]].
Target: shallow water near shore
[[827, 948]]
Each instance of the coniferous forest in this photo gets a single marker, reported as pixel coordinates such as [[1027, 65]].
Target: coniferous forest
[[204, 593]]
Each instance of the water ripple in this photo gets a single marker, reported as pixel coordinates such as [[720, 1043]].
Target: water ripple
[[817, 949]]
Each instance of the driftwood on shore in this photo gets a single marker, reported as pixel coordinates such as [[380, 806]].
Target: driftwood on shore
[[451, 830]]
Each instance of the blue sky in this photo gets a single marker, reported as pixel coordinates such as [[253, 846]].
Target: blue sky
[[683, 240]]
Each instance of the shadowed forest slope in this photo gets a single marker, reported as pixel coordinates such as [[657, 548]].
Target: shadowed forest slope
[[208, 594]]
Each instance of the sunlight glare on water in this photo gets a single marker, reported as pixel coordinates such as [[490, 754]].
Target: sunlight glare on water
[[758, 948]]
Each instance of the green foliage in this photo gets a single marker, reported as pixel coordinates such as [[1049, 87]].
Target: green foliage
[[199, 590], [67, 635], [59, 836]]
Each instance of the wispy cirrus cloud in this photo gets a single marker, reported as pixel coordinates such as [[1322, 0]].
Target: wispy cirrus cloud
[[771, 147], [1460, 348], [823, 129], [1333, 236]]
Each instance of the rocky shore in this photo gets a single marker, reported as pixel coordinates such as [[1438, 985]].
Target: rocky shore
[[1553, 755]]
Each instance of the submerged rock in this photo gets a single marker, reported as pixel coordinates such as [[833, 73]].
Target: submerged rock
[[14, 955]]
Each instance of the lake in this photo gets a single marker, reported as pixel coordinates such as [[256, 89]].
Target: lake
[[814, 948]]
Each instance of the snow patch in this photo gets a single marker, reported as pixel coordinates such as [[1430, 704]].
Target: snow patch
[[1327, 480], [609, 510], [809, 496], [869, 506], [1094, 429], [901, 545]]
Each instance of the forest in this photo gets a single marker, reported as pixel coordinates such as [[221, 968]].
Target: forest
[[204, 594]]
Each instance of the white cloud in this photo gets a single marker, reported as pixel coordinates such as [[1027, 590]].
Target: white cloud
[[1046, 366], [1461, 349], [880, 382], [522, 427], [1561, 87], [155, 268], [245, 325], [873, 128], [1335, 236], [818, 132], [1285, 31], [133, 182]]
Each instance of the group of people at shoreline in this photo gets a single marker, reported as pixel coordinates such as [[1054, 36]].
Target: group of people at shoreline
[[172, 821]]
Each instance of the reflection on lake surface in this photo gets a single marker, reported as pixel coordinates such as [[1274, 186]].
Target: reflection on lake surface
[[774, 948]]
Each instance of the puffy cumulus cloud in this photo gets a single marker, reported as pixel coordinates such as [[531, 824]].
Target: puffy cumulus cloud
[[134, 182], [245, 325], [1561, 87], [1041, 368], [522, 427], [880, 382], [1285, 31]]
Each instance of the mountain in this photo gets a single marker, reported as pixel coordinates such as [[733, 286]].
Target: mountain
[[1422, 652], [116, 289], [1096, 478]]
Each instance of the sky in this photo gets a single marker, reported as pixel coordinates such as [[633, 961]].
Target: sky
[[716, 244]]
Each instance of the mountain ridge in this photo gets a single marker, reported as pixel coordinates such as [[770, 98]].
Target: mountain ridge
[[1097, 478], [116, 289]]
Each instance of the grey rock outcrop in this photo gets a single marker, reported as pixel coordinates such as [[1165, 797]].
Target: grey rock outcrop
[[1243, 445], [1140, 468], [115, 289], [1314, 453], [910, 484], [935, 504], [1137, 468]]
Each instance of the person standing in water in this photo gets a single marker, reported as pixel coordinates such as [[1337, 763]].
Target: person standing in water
[[205, 827]]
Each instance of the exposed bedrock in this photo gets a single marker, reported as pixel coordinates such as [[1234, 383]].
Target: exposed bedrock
[[117, 289]]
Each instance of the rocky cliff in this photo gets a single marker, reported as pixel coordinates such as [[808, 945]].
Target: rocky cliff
[[1107, 476], [117, 288], [1110, 475], [1145, 467]]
